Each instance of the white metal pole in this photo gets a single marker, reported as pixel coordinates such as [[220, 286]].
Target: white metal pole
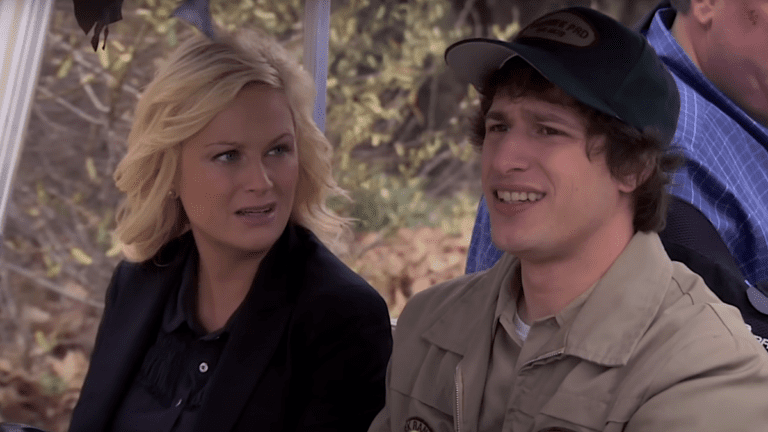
[[24, 25], [317, 23]]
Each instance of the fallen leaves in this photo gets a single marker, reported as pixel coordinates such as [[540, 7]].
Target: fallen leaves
[[71, 369], [410, 261], [43, 360]]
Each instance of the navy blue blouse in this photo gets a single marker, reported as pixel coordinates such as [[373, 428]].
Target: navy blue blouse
[[170, 386]]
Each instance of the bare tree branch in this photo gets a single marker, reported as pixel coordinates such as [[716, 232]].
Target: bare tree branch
[[460, 20], [8, 301], [37, 109], [77, 57], [94, 99], [44, 283], [433, 95], [75, 110]]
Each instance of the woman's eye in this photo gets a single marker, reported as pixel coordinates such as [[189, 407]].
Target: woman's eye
[[279, 150], [227, 156]]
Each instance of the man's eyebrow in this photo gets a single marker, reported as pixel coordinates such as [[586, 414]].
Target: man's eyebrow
[[555, 117], [495, 115], [539, 116]]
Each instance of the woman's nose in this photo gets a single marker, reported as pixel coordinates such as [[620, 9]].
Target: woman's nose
[[258, 178]]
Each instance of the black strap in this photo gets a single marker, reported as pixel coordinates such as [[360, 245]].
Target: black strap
[[690, 238], [687, 226], [645, 22]]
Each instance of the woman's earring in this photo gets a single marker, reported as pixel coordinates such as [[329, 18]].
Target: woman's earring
[[172, 194]]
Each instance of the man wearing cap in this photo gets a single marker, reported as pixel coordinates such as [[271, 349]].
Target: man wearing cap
[[717, 51], [584, 324]]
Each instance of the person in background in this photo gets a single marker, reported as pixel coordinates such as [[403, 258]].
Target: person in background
[[584, 323], [231, 313], [717, 52]]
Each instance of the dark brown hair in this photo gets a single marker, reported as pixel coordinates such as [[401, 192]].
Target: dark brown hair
[[628, 151]]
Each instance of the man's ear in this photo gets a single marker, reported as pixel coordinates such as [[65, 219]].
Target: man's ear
[[704, 11], [631, 181]]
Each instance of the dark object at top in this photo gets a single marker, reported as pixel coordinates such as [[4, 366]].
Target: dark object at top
[[16, 427], [100, 13], [592, 57]]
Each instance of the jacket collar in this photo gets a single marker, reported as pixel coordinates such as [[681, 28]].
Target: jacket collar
[[137, 295], [144, 290], [603, 326], [471, 313], [256, 332], [607, 326], [181, 310], [465, 326]]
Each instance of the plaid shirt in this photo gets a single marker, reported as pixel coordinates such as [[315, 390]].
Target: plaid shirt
[[726, 170]]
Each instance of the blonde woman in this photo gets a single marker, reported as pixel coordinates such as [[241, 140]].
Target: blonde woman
[[231, 314]]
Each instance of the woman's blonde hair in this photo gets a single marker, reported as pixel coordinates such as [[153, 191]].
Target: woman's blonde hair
[[199, 79]]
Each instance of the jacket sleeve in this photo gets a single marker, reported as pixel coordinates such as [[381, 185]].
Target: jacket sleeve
[[718, 384], [347, 356]]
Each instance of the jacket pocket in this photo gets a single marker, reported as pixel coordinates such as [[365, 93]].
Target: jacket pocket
[[412, 414], [577, 413], [430, 381], [425, 391]]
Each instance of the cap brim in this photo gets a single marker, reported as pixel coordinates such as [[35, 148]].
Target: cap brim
[[474, 60]]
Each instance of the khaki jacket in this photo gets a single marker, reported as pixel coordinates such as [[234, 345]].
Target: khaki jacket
[[649, 349]]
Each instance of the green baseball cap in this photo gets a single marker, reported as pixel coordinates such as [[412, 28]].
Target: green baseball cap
[[591, 57]]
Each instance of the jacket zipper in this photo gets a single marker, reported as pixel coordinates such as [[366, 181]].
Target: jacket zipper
[[459, 394]]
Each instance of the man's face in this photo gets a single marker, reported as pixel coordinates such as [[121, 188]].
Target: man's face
[[546, 198], [734, 54]]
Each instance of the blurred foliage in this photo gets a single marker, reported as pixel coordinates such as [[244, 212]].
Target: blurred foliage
[[385, 113]]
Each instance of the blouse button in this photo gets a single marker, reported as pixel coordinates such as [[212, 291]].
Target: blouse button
[[178, 402], [203, 368]]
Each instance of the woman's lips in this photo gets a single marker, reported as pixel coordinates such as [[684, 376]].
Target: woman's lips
[[257, 215]]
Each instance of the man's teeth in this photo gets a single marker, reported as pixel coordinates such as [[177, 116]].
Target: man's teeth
[[508, 196]]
